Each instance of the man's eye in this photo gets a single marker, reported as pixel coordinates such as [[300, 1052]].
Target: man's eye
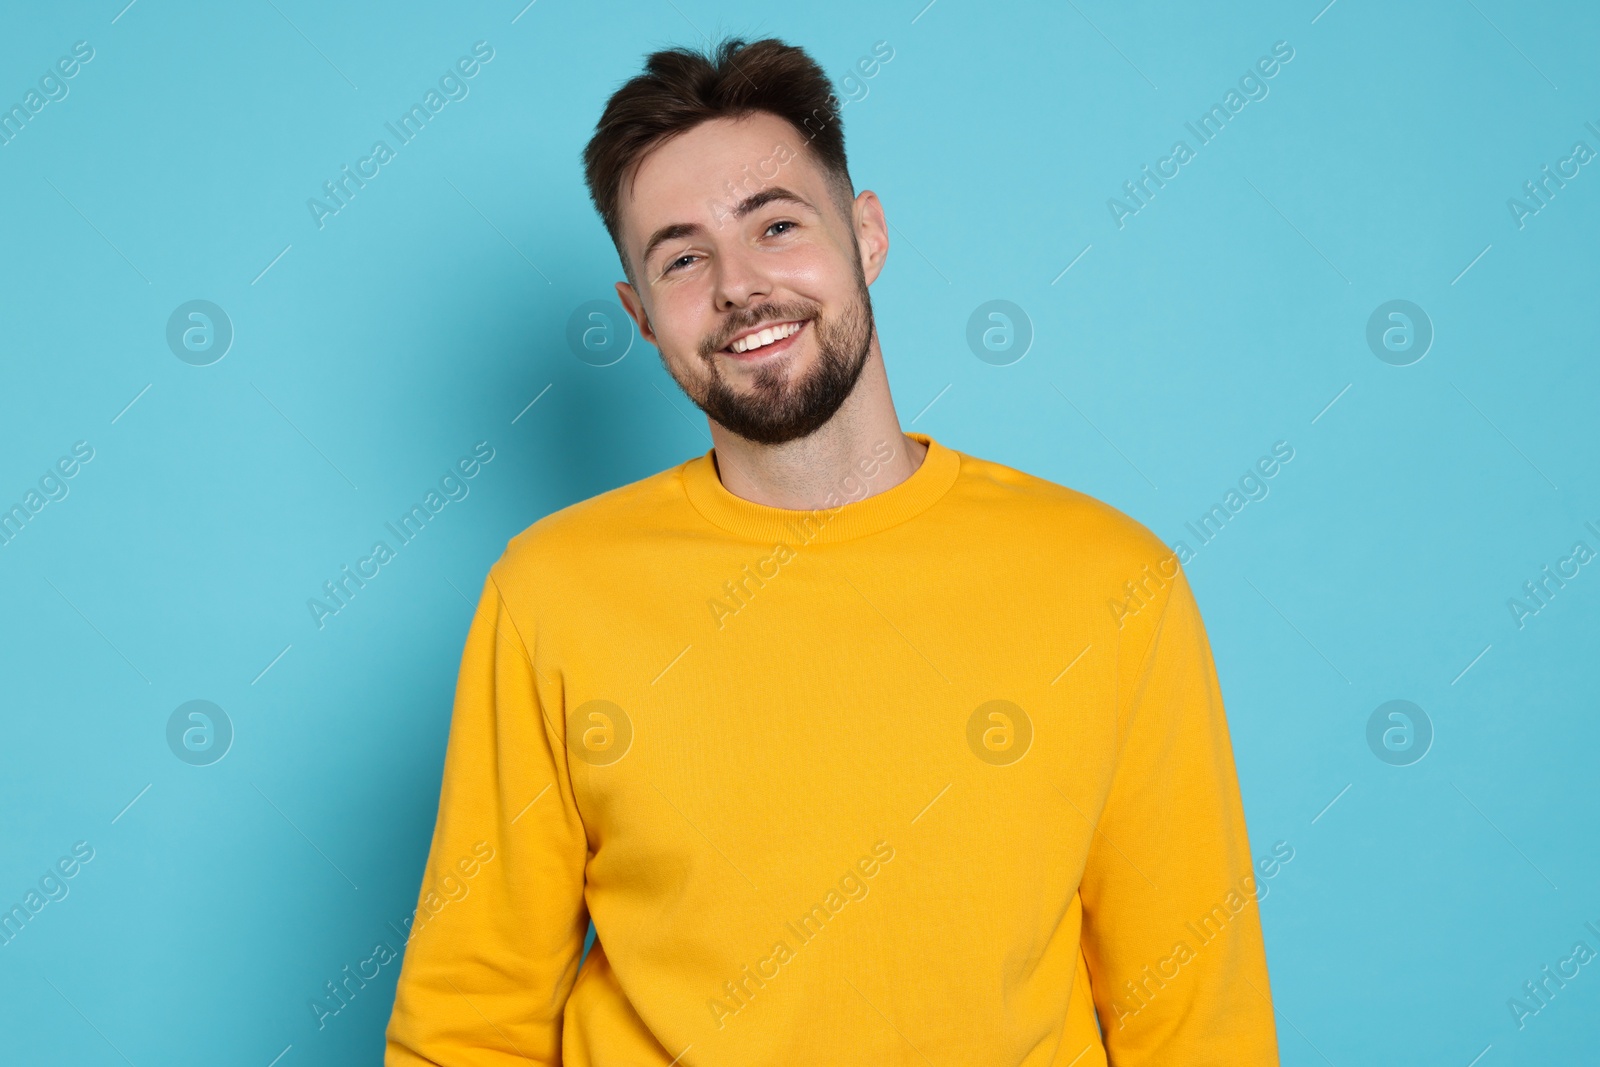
[[674, 264], [781, 222]]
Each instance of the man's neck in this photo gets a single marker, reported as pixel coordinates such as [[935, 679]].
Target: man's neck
[[827, 468]]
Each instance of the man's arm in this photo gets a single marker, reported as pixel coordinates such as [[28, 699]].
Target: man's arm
[[500, 923], [1172, 932]]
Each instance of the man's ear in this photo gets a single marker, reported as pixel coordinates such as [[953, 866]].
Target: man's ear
[[635, 309], [871, 232]]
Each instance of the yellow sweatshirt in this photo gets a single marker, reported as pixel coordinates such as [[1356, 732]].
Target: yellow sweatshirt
[[934, 777]]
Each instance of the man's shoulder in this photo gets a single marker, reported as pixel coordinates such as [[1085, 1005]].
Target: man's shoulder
[[597, 525], [1086, 527]]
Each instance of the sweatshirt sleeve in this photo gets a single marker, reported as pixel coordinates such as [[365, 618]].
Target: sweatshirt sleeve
[[1172, 931], [498, 933]]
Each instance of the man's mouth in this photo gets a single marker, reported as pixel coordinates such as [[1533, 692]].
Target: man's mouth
[[771, 338]]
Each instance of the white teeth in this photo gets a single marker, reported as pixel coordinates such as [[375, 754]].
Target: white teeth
[[765, 337]]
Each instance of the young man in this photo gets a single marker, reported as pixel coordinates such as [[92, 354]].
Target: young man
[[855, 748]]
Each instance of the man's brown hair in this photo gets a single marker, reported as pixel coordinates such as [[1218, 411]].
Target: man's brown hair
[[681, 88]]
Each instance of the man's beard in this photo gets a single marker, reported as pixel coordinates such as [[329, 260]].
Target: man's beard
[[775, 410]]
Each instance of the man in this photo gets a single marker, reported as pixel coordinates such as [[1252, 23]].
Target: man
[[855, 748]]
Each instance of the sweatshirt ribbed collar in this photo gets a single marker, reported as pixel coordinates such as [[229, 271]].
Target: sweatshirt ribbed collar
[[851, 519]]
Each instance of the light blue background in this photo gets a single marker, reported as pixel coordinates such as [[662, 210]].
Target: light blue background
[[427, 315]]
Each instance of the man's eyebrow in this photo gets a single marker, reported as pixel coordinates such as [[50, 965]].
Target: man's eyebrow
[[753, 202], [768, 196]]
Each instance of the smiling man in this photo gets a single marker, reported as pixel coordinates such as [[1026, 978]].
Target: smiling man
[[855, 748]]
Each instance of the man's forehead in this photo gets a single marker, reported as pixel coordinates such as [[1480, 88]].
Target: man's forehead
[[688, 177]]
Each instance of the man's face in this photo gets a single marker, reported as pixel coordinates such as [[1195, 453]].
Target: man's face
[[732, 227]]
